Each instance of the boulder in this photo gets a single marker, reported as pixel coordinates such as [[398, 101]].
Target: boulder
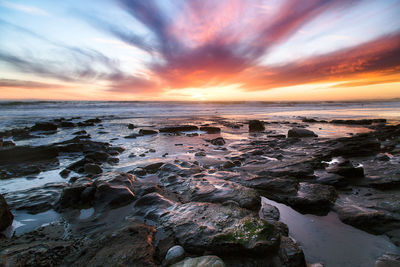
[[209, 261], [300, 132], [6, 217], [269, 212], [219, 229], [313, 198], [90, 168], [256, 126], [110, 190], [131, 126], [154, 167], [175, 254]]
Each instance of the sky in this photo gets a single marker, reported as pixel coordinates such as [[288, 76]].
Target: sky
[[200, 50]]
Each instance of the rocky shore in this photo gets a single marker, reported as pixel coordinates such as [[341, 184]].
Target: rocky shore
[[194, 197]]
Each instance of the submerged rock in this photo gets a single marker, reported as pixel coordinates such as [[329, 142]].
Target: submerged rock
[[300, 132], [6, 217]]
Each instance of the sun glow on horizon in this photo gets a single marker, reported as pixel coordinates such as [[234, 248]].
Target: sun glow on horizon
[[200, 50]]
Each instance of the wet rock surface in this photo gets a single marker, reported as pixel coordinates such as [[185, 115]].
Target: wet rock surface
[[6, 217], [206, 199]]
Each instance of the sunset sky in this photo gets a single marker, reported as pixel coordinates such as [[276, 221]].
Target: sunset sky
[[200, 50]]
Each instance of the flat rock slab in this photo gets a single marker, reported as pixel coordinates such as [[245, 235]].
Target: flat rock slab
[[213, 190], [220, 229]]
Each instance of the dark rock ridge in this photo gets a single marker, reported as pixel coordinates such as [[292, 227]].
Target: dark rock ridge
[[147, 132], [210, 129], [300, 132], [6, 217], [36, 200], [177, 129]]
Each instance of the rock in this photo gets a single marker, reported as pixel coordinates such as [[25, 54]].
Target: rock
[[175, 254], [200, 154], [256, 126], [65, 173], [153, 168], [8, 144], [27, 154], [147, 132], [346, 169], [211, 189], [219, 141], [388, 260], [67, 124], [368, 209], [209, 261], [177, 129], [92, 168], [228, 165], [356, 146], [269, 212], [210, 129], [314, 198], [110, 190], [335, 180], [274, 186], [36, 200], [132, 245], [300, 132], [131, 136], [216, 228], [82, 132], [131, 126], [359, 122], [6, 217], [290, 253], [95, 120], [382, 157], [98, 156], [44, 126], [24, 160]]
